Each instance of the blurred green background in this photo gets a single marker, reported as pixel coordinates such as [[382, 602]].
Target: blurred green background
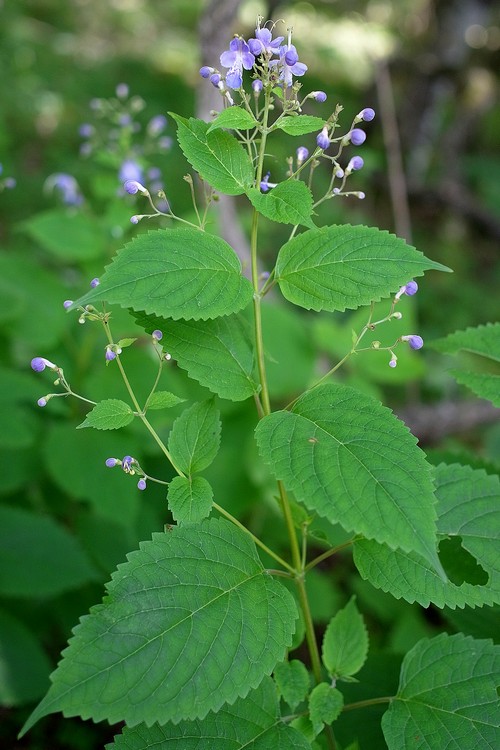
[[432, 174]]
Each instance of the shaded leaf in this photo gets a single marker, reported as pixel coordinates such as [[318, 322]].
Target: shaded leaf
[[292, 679], [110, 414], [348, 458], [189, 499], [300, 125], [253, 723], [190, 622], [163, 400], [484, 385], [345, 643], [325, 705], [234, 118], [24, 666], [447, 696], [290, 202], [339, 267], [175, 273], [468, 506], [38, 557], [195, 437], [67, 235], [483, 340], [217, 156]]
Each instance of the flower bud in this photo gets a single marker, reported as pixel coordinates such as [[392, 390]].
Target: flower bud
[[357, 136], [42, 401], [141, 484], [112, 462], [414, 341], [67, 303], [318, 96], [355, 163], [322, 138], [95, 282], [157, 335], [257, 86], [302, 154], [38, 364], [133, 186], [366, 114], [206, 72]]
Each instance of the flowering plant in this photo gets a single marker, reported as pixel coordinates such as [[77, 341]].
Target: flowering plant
[[195, 622]]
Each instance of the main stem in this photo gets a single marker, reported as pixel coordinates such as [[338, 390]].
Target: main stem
[[266, 409]]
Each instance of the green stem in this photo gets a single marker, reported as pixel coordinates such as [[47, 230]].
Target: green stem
[[369, 702], [328, 553]]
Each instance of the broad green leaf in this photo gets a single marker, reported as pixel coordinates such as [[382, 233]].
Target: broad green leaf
[[468, 507], [175, 273], [292, 679], [345, 643], [24, 666], [290, 202], [251, 723], [483, 385], [348, 458], [325, 705], [447, 697], [67, 235], [195, 437], [110, 414], [190, 622], [38, 557], [339, 267], [217, 353], [483, 340], [217, 156], [300, 125], [164, 400], [190, 499], [234, 118]]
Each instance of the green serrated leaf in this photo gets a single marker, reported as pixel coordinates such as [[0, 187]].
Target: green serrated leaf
[[217, 156], [253, 723], [300, 125], [483, 340], [217, 353], [339, 267], [163, 400], [484, 385], [110, 414], [447, 696], [190, 499], [468, 506], [171, 640], [325, 705], [292, 679], [345, 643], [174, 273], [123, 343], [38, 557], [348, 458], [233, 118], [290, 202], [195, 437]]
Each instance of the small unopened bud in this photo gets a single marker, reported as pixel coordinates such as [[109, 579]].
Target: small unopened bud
[[67, 303], [397, 315], [366, 114], [357, 136], [322, 139], [157, 335], [302, 154], [38, 364], [43, 401], [112, 462], [318, 96], [257, 86], [133, 186], [135, 219], [393, 361], [376, 344], [206, 71], [414, 341], [355, 163], [95, 282], [168, 356], [141, 484]]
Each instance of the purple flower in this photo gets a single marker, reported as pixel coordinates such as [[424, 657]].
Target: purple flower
[[110, 355], [135, 219], [206, 71], [158, 335], [95, 282], [141, 484], [393, 361], [357, 136], [42, 401], [67, 186], [263, 43], [130, 170], [265, 185], [112, 462], [132, 187], [157, 125], [289, 64], [366, 114], [127, 462], [215, 79], [339, 173], [38, 364], [322, 138], [319, 96], [67, 303], [355, 163], [411, 288], [414, 341], [302, 154], [237, 57]]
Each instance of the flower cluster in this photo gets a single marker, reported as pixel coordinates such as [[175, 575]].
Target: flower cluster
[[131, 466]]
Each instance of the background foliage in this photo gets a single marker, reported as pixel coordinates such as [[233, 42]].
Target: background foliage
[[65, 520]]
